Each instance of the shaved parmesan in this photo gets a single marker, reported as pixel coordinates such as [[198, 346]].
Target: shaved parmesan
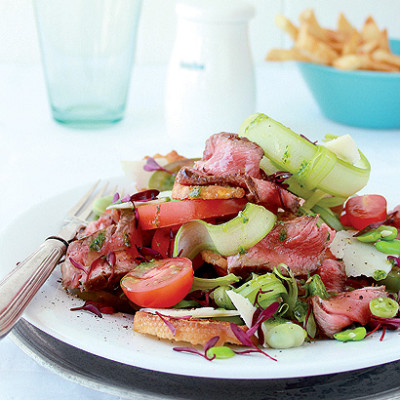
[[203, 312], [359, 258], [244, 306], [345, 148]]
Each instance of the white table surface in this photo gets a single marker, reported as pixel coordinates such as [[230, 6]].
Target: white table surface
[[40, 158]]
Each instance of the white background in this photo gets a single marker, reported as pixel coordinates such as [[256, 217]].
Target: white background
[[18, 40]]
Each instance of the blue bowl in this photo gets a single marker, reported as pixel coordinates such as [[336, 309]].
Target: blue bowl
[[365, 99]]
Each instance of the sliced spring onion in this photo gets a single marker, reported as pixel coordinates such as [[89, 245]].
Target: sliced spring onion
[[313, 166], [266, 288], [232, 237], [291, 295]]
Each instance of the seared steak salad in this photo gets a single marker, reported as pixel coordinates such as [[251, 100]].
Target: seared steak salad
[[263, 242]]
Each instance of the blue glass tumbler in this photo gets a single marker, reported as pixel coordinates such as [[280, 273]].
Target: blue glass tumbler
[[88, 49]]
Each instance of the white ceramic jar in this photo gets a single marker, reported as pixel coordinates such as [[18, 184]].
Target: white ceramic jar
[[210, 82]]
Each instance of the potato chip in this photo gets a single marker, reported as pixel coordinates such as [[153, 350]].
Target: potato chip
[[344, 26], [348, 62], [370, 30], [285, 24], [314, 49], [307, 18], [351, 45], [344, 48], [384, 56], [286, 55]]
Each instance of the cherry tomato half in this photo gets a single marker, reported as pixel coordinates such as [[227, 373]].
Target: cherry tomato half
[[153, 216], [159, 284], [361, 211]]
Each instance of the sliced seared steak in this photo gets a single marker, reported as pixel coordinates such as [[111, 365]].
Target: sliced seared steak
[[227, 153], [333, 275], [257, 190], [99, 260], [334, 314], [299, 243]]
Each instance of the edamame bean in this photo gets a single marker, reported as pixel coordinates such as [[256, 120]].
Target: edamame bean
[[383, 232], [220, 352], [351, 334], [384, 307], [390, 247], [283, 335], [100, 205], [379, 275]]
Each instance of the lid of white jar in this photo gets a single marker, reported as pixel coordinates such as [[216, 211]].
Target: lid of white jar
[[215, 10]]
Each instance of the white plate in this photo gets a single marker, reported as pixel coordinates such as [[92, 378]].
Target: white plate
[[112, 336]]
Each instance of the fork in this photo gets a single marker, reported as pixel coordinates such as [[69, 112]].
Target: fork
[[19, 287]]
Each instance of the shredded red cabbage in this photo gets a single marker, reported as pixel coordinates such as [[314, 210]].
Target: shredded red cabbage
[[145, 195], [308, 140], [171, 244], [394, 260], [136, 217], [201, 296], [111, 258], [153, 165], [260, 291], [390, 323], [246, 341], [77, 265], [279, 177], [168, 323], [126, 198], [147, 254], [383, 333], [115, 198], [210, 343], [95, 307], [91, 268], [263, 316], [370, 227]]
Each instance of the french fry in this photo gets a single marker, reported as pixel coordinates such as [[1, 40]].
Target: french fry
[[286, 25]]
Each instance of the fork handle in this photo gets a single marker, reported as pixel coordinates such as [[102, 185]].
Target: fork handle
[[21, 284]]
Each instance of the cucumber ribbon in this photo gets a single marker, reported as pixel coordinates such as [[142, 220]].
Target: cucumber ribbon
[[318, 175], [232, 237]]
